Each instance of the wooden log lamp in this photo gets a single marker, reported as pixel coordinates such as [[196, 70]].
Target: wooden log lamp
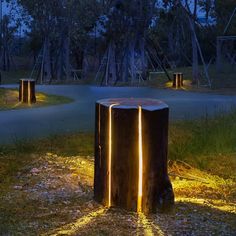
[[131, 141], [27, 91], [178, 80]]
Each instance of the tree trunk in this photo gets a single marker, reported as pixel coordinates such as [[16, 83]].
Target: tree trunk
[[126, 68], [59, 63], [131, 141], [132, 62], [67, 57], [218, 55], [27, 91], [143, 59], [113, 69], [47, 73], [178, 80], [195, 71]]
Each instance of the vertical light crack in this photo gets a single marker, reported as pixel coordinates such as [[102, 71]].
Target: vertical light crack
[[140, 172]]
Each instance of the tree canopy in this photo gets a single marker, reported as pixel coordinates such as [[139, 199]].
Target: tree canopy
[[76, 34]]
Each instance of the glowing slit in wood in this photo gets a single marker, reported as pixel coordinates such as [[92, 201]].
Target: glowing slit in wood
[[110, 154], [99, 124], [176, 80], [22, 89], [99, 134], [140, 173], [29, 93]]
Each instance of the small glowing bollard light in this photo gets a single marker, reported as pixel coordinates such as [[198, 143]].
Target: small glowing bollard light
[[131, 141], [27, 91], [178, 80]]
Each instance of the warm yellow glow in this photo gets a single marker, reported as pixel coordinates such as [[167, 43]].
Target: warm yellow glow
[[99, 134], [149, 228], [29, 92], [169, 84], [73, 228], [218, 204], [140, 174], [176, 81], [41, 97], [22, 90], [110, 153], [17, 104], [186, 89]]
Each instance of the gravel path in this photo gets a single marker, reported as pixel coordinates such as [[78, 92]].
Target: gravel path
[[79, 115]]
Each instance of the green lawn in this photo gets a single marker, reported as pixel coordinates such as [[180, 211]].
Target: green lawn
[[46, 185], [9, 100], [220, 80], [13, 77], [208, 144]]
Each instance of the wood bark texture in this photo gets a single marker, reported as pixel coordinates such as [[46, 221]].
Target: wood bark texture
[[178, 80], [27, 91], [128, 131]]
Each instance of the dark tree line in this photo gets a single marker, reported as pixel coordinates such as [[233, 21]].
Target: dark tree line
[[117, 40]]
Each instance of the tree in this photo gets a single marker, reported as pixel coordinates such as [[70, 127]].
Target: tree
[[8, 32], [60, 25], [222, 13], [125, 34]]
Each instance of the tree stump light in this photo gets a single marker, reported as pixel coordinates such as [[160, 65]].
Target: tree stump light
[[131, 140], [27, 91], [178, 80]]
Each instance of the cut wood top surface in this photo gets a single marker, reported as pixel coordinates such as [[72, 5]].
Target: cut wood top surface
[[31, 80], [133, 103]]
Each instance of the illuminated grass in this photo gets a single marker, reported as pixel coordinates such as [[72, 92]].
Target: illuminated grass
[[78, 224], [9, 100], [207, 144], [220, 81]]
